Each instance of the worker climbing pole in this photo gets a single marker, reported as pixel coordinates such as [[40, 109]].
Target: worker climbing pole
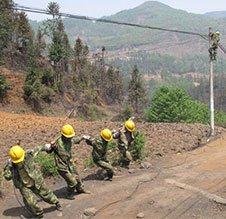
[[214, 39]]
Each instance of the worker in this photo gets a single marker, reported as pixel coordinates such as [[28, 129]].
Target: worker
[[64, 160], [213, 48], [125, 140], [28, 179], [99, 153]]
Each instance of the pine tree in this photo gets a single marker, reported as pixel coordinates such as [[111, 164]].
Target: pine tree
[[4, 86], [24, 33], [113, 86], [80, 63], [40, 43], [59, 50], [6, 23], [136, 91]]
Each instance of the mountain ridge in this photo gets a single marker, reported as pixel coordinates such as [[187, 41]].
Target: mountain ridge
[[150, 13]]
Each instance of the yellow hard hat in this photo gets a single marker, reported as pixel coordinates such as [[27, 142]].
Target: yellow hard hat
[[16, 154], [106, 134], [68, 131], [130, 126], [217, 32]]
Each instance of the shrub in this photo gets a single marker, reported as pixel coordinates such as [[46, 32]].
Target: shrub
[[4, 86], [127, 112], [220, 118], [88, 163], [47, 164], [47, 76], [113, 154], [137, 149]]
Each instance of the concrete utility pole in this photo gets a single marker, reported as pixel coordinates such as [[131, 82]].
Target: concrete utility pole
[[211, 86]]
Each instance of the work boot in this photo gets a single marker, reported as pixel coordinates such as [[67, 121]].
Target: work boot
[[70, 196], [108, 178], [79, 191], [59, 207]]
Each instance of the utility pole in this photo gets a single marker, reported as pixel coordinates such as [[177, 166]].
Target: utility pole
[[211, 86]]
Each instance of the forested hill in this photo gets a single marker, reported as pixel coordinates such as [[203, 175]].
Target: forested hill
[[150, 13], [216, 14]]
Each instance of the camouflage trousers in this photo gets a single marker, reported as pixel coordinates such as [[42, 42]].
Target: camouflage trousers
[[72, 179], [106, 166], [126, 156], [213, 51], [43, 192]]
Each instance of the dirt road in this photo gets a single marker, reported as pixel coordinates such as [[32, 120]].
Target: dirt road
[[181, 186]]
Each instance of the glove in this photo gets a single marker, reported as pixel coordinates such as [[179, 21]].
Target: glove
[[10, 163], [114, 131], [86, 137], [48, 147], [53, 144]]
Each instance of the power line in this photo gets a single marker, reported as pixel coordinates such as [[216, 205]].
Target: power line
[[42, 11], [46, 12]]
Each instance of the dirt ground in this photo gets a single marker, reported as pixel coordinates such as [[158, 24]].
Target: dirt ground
[[176, 181]]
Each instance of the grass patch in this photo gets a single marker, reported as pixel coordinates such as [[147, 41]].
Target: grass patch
[[88, 163], [47, 164]]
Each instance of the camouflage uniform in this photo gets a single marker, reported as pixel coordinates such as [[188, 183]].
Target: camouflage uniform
[[28, 179], [125, 140], [99, 154], [213, 48], [65, 165]]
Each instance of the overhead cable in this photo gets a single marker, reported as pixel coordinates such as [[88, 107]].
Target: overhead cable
[[42, 11]]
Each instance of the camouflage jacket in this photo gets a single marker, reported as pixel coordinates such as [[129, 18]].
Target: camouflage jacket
[[216, 40], [99, 148], [125, 138], [11, 169], [62, 152]]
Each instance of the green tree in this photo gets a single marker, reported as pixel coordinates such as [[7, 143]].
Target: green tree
[[174, 105], [6, 23], [36, 81], [40, 42], [113, 85], [136, 91], [80, 63], [59, 49], [32, 83], [4, 86], [24, 33], [50, 25]]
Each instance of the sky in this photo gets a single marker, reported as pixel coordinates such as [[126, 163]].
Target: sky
[[99, 8]]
